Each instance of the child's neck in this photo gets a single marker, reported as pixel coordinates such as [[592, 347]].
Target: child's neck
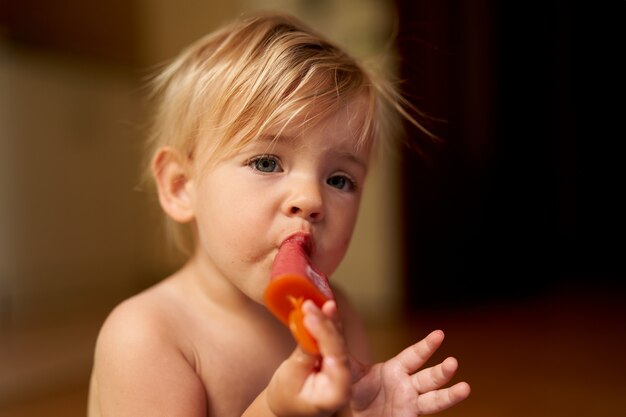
[[217, 289]]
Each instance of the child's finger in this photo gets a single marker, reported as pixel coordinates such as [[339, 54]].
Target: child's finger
[[329, 338], [324, 329], [330, 310], [435, 377], [442, 399], [304, 361], [335, 363], [415, 356]]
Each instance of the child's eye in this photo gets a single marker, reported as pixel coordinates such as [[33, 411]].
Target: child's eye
[[341, 182], [265, 163]]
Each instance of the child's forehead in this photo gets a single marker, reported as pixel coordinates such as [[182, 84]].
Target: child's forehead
[[342, 127]]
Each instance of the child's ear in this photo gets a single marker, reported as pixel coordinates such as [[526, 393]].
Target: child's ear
[[170, 171]]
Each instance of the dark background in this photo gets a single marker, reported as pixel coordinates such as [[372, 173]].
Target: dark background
[[525, 195]]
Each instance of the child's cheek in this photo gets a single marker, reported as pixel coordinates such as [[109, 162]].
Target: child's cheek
[[330, 260]]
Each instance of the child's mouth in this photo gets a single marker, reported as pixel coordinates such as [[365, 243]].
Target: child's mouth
[[304, 240]]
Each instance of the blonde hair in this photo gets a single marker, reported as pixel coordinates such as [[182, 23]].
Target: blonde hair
[[259, 72]]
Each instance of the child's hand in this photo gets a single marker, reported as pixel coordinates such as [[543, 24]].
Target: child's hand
[[306, 385], [397, 389]]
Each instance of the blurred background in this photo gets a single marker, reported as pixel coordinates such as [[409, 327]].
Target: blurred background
[[509, 235]]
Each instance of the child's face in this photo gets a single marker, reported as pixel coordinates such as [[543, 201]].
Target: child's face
[[308, 181]]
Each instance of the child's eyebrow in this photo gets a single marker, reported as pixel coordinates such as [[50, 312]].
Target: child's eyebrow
[[352, 157], [272, 139], [269, 140]]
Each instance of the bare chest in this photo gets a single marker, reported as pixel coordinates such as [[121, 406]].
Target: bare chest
[[236, 359]]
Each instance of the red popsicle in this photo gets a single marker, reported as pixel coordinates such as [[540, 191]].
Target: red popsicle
[[293, 280]]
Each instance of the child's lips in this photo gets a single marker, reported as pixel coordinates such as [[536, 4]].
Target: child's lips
[[305, 241]]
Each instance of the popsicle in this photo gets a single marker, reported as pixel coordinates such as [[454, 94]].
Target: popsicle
[[293, 279]]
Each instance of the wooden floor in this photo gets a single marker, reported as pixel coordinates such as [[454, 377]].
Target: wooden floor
[[553, 355]]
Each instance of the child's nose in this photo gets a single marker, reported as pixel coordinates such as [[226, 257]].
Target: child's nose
[[305, 201]]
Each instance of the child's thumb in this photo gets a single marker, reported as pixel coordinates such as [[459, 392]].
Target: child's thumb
[[303, 363]]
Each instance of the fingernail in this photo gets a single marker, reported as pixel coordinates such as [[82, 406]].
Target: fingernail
[[311, 320], [309, 306]]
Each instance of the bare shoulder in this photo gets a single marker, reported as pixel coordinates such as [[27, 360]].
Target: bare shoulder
[[140, 323], [141, 365], [151, 313]]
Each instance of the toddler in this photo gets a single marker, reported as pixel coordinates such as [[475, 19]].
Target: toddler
[[263, 130]]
